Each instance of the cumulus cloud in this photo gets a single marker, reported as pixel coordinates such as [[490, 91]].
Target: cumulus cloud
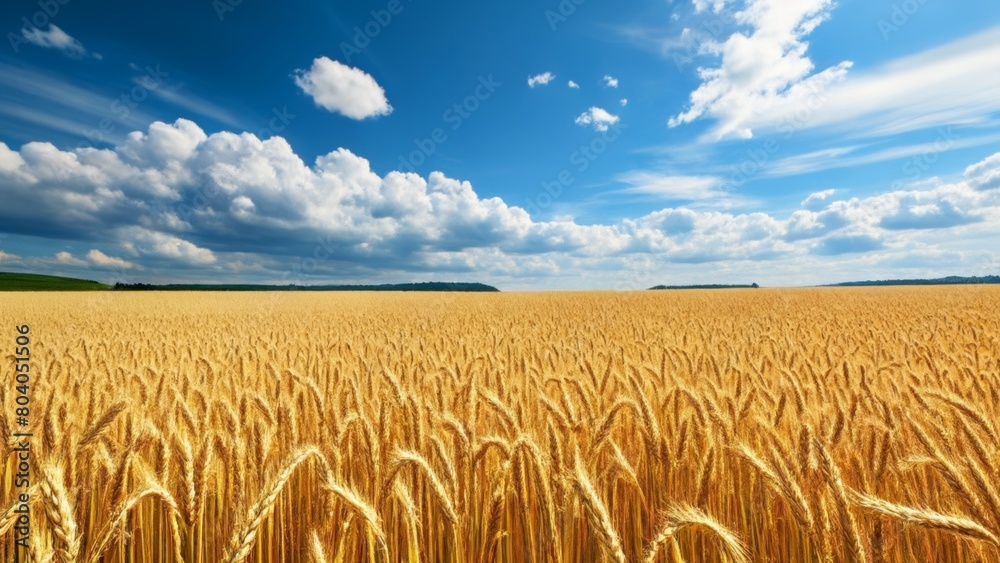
[[8, 257], [623, 102], [543, 79], [985, 175], [343, 89], [610, 81], [101, 259], [599, 118], [763, 69], [179, 200], [181, 196], [927, 210], [168, 246], [94, 259], [67, 259], [816, 200], [55, 38], [573, 85]]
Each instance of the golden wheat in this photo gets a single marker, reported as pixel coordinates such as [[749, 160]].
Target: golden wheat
[[765, 425]]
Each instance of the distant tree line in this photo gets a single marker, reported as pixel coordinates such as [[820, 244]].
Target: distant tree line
[[708, 286], [421, 286], [950, 280]]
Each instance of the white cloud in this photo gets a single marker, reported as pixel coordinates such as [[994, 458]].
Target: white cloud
[[817, 200], [8, 257], [761, 71], [101, 259], [623, 102], [695, 192], [573, 85], [68, 259], [343, 89], [55, 38], [702, 5], [151, 192], [542, 79], [610, 81], [598, 117], [672, 187], [168, 246], [179, 200], [985, 175]]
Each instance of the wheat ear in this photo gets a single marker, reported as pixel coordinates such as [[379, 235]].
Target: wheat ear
[[925, 518], [597, 513], [244, 538], [679, 517]]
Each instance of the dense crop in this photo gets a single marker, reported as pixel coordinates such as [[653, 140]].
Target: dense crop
[[736, 425]]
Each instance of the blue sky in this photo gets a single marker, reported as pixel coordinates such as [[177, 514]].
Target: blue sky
[[532, 145]]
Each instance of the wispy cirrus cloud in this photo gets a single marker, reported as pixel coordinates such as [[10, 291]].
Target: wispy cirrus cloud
[[945, 140], [31, 100], [197, 105], [55, 38], [953, 84], [765, 81]]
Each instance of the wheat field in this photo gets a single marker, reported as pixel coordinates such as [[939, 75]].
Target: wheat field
[[739, 425]]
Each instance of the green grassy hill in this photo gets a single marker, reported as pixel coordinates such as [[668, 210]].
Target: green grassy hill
[[10, 281]]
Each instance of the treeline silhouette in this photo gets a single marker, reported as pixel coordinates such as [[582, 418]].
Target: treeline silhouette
[[421, 286], [950, 280], [708, 286]]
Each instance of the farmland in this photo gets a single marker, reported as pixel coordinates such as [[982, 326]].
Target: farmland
[[827, 424]]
